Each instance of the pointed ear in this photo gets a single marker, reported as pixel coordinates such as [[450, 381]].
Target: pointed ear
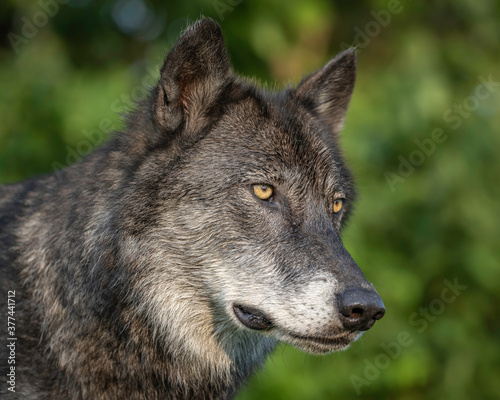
[[327, 92], [193, 75]]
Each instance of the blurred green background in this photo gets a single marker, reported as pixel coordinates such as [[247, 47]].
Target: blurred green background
[[428, 215]]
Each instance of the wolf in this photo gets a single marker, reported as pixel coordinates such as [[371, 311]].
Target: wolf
[[168, 263]]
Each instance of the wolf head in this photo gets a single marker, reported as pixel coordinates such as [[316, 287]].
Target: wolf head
[[235, 207]]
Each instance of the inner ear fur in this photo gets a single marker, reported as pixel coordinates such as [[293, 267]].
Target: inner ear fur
[[327, 92], [192, 76]]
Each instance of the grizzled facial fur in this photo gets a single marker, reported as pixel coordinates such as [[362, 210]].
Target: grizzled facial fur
[[274, 265], [169, 262]]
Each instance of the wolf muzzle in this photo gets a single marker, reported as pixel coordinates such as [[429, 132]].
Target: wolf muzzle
[[359, 309]]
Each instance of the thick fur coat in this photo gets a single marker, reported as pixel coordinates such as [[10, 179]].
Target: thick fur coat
[[152, 269]]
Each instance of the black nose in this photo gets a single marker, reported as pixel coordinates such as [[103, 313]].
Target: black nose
[[360, 308]]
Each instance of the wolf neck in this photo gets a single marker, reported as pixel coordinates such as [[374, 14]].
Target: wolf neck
[[194, 332]]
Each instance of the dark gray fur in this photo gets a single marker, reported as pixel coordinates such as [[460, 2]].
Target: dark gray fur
[[126, 265]]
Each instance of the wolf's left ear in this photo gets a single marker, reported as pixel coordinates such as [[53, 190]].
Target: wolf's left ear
[[193, 75], [327, 92]]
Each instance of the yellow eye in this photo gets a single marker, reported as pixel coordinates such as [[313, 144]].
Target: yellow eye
[[263, 192], [337, 206]]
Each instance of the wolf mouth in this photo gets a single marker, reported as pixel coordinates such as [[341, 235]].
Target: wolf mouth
[[322, 344], [255, 319], [334, 340]]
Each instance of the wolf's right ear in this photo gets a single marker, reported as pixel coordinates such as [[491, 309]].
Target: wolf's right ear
[[193, 75], [327, 92]]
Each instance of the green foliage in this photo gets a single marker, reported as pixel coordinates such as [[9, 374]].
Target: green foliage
[[416, 230]]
